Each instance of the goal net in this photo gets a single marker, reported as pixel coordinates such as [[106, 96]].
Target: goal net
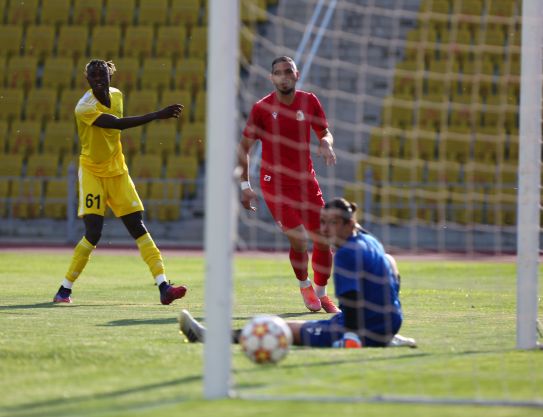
[[423, 98]]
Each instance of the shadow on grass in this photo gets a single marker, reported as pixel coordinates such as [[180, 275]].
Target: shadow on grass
[[49, 304], [55, 405], [138, 322]]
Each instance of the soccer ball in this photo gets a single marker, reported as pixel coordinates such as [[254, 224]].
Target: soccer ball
[[266, 339]]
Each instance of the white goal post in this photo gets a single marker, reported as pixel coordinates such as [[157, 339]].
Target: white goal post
[[220, 204], [529, 172]]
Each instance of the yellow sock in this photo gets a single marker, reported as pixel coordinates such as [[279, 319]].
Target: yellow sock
[[150, 254], [80, 258]]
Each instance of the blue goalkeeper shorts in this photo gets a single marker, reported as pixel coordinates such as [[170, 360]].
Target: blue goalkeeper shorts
[[323, 333]]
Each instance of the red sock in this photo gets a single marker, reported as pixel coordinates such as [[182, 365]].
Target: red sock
[[299, 260], [321, 261]]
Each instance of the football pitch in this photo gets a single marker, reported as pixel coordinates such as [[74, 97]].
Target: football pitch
[[117, 352]]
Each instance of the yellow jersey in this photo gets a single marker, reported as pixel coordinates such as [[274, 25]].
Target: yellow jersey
[[101, 150]]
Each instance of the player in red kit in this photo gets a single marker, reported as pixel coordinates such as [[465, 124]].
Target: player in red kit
[[282, 121]]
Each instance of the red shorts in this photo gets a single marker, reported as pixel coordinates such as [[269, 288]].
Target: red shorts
[[292, 206]]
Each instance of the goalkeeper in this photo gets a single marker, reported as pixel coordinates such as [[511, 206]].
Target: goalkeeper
[[367, 285]]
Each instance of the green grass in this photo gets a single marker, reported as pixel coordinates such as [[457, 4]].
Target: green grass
[[117, 352]]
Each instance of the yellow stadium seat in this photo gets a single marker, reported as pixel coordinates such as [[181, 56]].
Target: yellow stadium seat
[[512, 149], [164, 201], [11, 40], [131, 141], [455, 147], [21, 72], [396, 113], [435, 6], [396, 205], [463, 91], [190, 74], [494, 35], [24, 138], [502, 8], [11, 101], [405, 172], [3, 135], [171, 41], [479, 173], [55, 198], [379, 143], [55, 12], [22, 12], [138, 41], [69, 162], [246, 39], [184, 13], [39, 40], [461, 120], [200, 107], [80, 80], [153, 12], [68, 101], [198, 42], [146, 166], [142, 187], [58, 72], [373, 170], [3, 71], [512, 122], [87, 12], [120, 12], [106, 41], [184, 168], [26, 194], [161, 139], [253, 11], [141, 102], [42, 165], [469, 7], [489, 148], [59, 137], [125, 77], [41, 104], [193, 140], [5, 194], [177, 97], [11, 165], [436, 89], [72, 41], [156, 73], [425, 145]]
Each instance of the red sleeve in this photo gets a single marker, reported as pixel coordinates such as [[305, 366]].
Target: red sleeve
[[253, 128], [318, 121]]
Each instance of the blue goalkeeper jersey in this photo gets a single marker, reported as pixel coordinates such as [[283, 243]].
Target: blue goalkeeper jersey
[[360, 265]]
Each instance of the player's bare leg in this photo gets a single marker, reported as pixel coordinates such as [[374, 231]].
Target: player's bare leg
[[299, 260]]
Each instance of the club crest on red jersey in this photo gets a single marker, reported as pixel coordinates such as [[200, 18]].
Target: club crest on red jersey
[[300, 116]]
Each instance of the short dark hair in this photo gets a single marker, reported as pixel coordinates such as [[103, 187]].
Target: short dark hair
[[94, 63], [347, 208], [283, 58]]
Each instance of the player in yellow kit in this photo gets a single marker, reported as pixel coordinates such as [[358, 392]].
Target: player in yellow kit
[[104, 178]]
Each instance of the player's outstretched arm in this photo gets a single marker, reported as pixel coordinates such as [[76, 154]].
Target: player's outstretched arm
[[108, 121]]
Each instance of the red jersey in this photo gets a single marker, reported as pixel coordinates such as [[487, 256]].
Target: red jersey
[[285, 133]]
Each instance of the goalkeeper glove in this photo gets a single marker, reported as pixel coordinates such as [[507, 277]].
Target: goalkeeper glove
[[348, 341]]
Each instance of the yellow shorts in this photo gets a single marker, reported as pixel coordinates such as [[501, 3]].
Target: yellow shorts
[[117, 192]]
